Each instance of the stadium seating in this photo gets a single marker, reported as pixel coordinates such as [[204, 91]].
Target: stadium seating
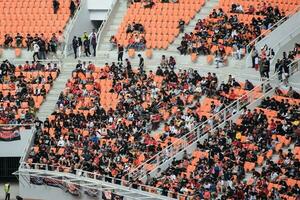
[[32, 17], [23, 89], [110, 109], [212, 35], [218, 168], [160, 22]]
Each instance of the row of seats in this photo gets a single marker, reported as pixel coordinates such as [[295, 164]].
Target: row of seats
[[23, 91], [240, 39], [99, 99], [161, 13], [32, 17]]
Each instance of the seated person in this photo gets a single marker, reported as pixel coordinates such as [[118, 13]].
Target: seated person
[[8, 40], [148, 3], [293, 94], [248, 85], [19, 40]]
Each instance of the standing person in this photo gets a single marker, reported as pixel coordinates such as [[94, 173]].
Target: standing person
[[6, 190], [79, 46], [55, 6], [60, 40], [86, 45], [93, 39], [267, 67], [29, 40], [278, 69], [36, 49], [254, 54], [181, 24], [72, 8], [42, 45], [75, 46], [120, 52], [141, 63]]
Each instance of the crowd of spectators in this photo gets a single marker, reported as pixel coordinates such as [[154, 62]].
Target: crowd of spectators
[[105, 118], [224, 33], [23, 89], [136, 39], [223, 166]]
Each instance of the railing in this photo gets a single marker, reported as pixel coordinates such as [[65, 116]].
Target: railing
[[106, 21], [205, 127], [168, 152], [43, 170], [249, 47], [69, 27]]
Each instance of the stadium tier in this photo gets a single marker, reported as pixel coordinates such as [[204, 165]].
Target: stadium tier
[[123, 114]]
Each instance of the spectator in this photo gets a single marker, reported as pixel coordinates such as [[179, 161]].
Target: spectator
[[86, 47], [120, 52], [72, 8], [60, 40], [141, 63], [8, 40], [148, 3], [29, 40], [55, 6], [93, 39], [19, 40], [36, 49], [181, 24], [113, 42], [75, 46]]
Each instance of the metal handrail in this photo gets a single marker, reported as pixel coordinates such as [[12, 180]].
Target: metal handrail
[[142, 187], [239, 101], [273, 27], [44, 168], [105, 22], [69, 28]]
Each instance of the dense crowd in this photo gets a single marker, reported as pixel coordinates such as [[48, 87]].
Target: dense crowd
[[218, 167], [23, 89], [222, 31], [105, 118]]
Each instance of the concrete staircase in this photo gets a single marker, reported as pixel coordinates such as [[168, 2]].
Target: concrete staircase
[[49, 104], [111, 28]]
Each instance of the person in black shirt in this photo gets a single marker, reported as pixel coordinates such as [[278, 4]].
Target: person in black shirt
[[19, 39], [86, 45], [75, 45], [159, 71], [55, 6], [72, 8], [120, 52], [278, 69], [29, 40], [141, 63]]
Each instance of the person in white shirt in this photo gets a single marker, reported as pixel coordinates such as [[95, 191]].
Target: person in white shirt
[[36, 49], [61, 142]]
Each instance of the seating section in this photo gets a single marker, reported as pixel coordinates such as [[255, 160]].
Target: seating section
[[32, 17], [239, 160], [160, 22], [23, 89], [103, 109], [228, 31]]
